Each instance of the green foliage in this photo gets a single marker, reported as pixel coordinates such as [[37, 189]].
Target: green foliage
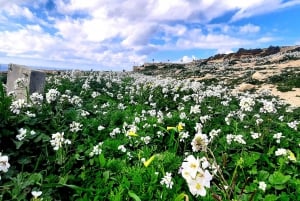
[[126, 120], [286, 81]]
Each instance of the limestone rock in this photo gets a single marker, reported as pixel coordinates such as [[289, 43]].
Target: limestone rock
[[245, 87], [22, 78], [259, 76]]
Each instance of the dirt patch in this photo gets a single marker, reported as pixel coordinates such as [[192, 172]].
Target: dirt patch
[[290, 97]]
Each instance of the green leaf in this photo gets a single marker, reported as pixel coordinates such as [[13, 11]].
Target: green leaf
[[91, 161], [24, 161], [18, 144], [263, 175], [279, 187], [270, 197], [277, 178], [285, 197], [77, 188], [102, 160], [181, 197], [250, 158], [63, 180], [106, 176], [134, 196]]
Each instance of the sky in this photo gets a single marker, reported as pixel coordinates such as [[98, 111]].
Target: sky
[[118, 34]]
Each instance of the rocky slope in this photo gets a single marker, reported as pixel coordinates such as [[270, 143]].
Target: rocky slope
[[273, 68]]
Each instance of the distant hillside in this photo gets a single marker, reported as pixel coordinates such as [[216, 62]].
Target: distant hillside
[[243, 59]]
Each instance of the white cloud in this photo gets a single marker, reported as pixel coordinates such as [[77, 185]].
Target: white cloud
[[13, 10], [116, 33], [249, 28], [265, 39], [29, 39], [224, 51], [187, 59], [196, 39], [258, 7]]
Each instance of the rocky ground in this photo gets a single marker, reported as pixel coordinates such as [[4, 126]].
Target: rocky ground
[[275, 68]]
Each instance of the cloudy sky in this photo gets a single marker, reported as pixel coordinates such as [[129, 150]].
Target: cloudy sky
[[117, 34]]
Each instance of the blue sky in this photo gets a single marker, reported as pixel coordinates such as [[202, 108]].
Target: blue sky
[[117, 34]]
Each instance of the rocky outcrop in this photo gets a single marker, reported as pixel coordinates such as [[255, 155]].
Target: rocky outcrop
[[252, 62]]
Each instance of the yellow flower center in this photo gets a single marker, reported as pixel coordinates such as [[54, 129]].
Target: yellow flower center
[[198, 186]]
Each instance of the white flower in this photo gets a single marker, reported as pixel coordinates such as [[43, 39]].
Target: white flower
[[76, 100], [280, 118], [183, 136], [95, 94], [169, 115], [255, 135], [259, 121], [129, 155], [160, 134], [96, 150], [197, 185], [75, 126], [239, 139], [268, 107], [204, 163], [122, 148], [114, 132], [227, 120], [52, 95], [280, 152], [195, 109], [137, 120], [4, 165], [293, 124], [229, 138], [17, 105], [32, 132], [58, 140], [278, 136], [175, 97], [198, 128], [84, 113], [100, 128], [247, 104], [121, 106], [199, 142], [36, 194], [190, 166], [29, 114], [167, 180], [22, 134], [196, 188], [86, 86], [204, 118], [235, 138], [262, 185], [146, 139], [36, 98], [214, 133], [182, 115]]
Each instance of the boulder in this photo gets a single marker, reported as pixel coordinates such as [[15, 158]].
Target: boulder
[[22, 80], [259, 76], [245, 87]]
